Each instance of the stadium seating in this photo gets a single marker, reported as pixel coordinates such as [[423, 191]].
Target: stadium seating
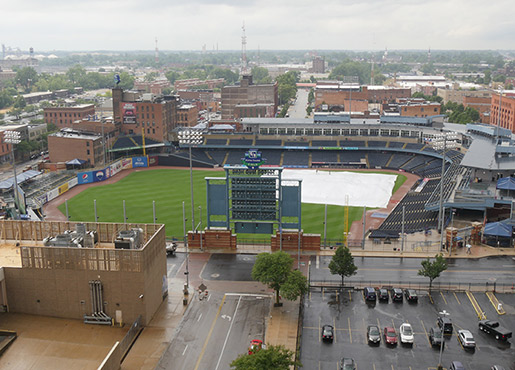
[[247, 142], [378, 159], [296, 158], [324, 156], [376, 144], [260, 142], [324, 143], [210, 141]]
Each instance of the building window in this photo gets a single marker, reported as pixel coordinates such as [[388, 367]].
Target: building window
[[153, 130], [87, 143], [87, 151]]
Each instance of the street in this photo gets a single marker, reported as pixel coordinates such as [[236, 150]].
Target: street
[[298, 109]]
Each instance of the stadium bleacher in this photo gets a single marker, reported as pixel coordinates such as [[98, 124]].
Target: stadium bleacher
[[296, 158], [352, 143], [210, 141], [376, 144], [324, 143], [378, 159], [324, 156], [272, 157], [247, 142], [414, 146], [267, 142], [395, 144], [398, 159]]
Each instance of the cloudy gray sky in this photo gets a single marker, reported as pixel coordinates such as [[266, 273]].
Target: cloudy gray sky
[[270, 24]]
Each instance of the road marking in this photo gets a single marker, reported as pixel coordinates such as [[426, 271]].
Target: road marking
[[319, 330], [374, 366], [209, 333], [171, 269], [459, 341], [318, 262], [378, 325], [443, 297], [334, 326], [185, 348], [199, 317], [248, 295], [392, 367], [431, 298], [350, 333], [425, 331], [350, 296], [322, 293], [209, 297], [455, 296], [228, 333]]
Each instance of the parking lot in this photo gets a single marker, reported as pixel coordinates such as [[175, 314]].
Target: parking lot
[[350, 315]]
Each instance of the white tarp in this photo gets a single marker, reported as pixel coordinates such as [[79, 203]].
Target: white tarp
[[331, 187]]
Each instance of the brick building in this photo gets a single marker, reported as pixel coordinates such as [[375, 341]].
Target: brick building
[[248, 93], [69, 144], [335, 93], [425, 109], [64, 116], [507, 116], [156, 115], [153, 87], [187, 115], [193, 82], [456, 96], [253, 110], [482, 105], [5, 148], [203, 99], [318, 65]]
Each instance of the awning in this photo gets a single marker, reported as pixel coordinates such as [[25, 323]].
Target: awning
[[20, 177], [76, 161], [498, 229], [506, 183]]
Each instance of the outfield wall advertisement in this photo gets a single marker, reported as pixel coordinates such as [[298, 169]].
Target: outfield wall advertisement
[[89, 177]]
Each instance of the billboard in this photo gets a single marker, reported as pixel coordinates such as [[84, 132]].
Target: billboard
[[99, 175], [129, 113], [126, 163], [139, 162], [115, 168], [85, 177], [20, 198]]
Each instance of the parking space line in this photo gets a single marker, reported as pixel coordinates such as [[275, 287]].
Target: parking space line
[[431, 298], [309, 296], [319, 330], [374, 366], [443, 297], [425, 331], [378, 325], [350, 296], [455, 296], [392, 367], [322, 293], [350, 333], [365, 329], [334, 327], [459, 341]]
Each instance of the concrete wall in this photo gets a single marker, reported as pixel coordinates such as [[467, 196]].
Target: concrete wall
[[55, 281]]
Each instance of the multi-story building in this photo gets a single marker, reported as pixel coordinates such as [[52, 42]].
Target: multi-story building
[[456, 96], [318, 65], [187, 115], [506, 119], [69, 144], [248, 93], [154, 87], [336, 93], [153, 115], [65, 116], [204, 99], [482, 105], [193, 82]]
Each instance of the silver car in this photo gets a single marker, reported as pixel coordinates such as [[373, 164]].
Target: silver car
[[466, 339]]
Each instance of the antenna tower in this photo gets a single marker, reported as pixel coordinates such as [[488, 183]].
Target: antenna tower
[[243, 50], [156, 56]]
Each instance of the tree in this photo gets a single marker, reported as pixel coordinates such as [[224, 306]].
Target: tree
[[270, 358], [260, 75], [19, 102], [295, 285], [26, 77], [433, 269], [275, 270], [342, 263]]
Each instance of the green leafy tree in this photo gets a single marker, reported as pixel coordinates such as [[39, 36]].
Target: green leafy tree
[[287, 86], [260, 75], [351, 68], [275, 270], [151, 76], [6, 99], [311, 96], [342, 263], [76, 74], [172, 76], [270, 358], [19, 102], [433, 269], [26, 77]]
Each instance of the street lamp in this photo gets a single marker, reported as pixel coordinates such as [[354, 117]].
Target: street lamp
[[13, 137], [443, 314], [187, 272], [190, 138]]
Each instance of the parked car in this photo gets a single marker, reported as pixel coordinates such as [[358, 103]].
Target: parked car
[[255, 346], [373, 334], [390, 336], [347, 363], [494, 329], [436, 337], [456, 365], [327, 333], [396, 295], [466, 339], [369, 294], [406, 333], [382, 294], [445, 324], [411, 295]]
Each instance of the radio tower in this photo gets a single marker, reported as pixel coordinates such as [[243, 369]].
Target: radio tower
[[243, 50], [156, 56]]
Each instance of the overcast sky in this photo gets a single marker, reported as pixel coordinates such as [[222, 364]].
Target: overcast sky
[[270, 24]]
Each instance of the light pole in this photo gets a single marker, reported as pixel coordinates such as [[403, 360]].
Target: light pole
[[187, 272], [190, 138], [200, 211], [13, 137], [443, 314]]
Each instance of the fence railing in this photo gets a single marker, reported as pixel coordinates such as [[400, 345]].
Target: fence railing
[[130, 337], [442, 286]]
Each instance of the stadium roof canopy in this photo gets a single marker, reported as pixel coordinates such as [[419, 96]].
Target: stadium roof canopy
[[482, 155], [21, 177]]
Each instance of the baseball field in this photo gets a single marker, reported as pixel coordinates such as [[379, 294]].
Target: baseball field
[[169, 188]]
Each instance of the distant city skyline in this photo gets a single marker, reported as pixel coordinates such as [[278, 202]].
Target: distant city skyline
[[270, 25]]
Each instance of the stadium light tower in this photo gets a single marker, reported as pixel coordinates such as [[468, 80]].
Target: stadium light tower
[[13, 137], [190, 138]]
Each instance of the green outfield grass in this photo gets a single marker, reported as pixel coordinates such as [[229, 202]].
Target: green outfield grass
[[169, 188]]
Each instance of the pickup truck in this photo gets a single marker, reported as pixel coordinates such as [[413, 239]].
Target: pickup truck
[[494, 329]]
